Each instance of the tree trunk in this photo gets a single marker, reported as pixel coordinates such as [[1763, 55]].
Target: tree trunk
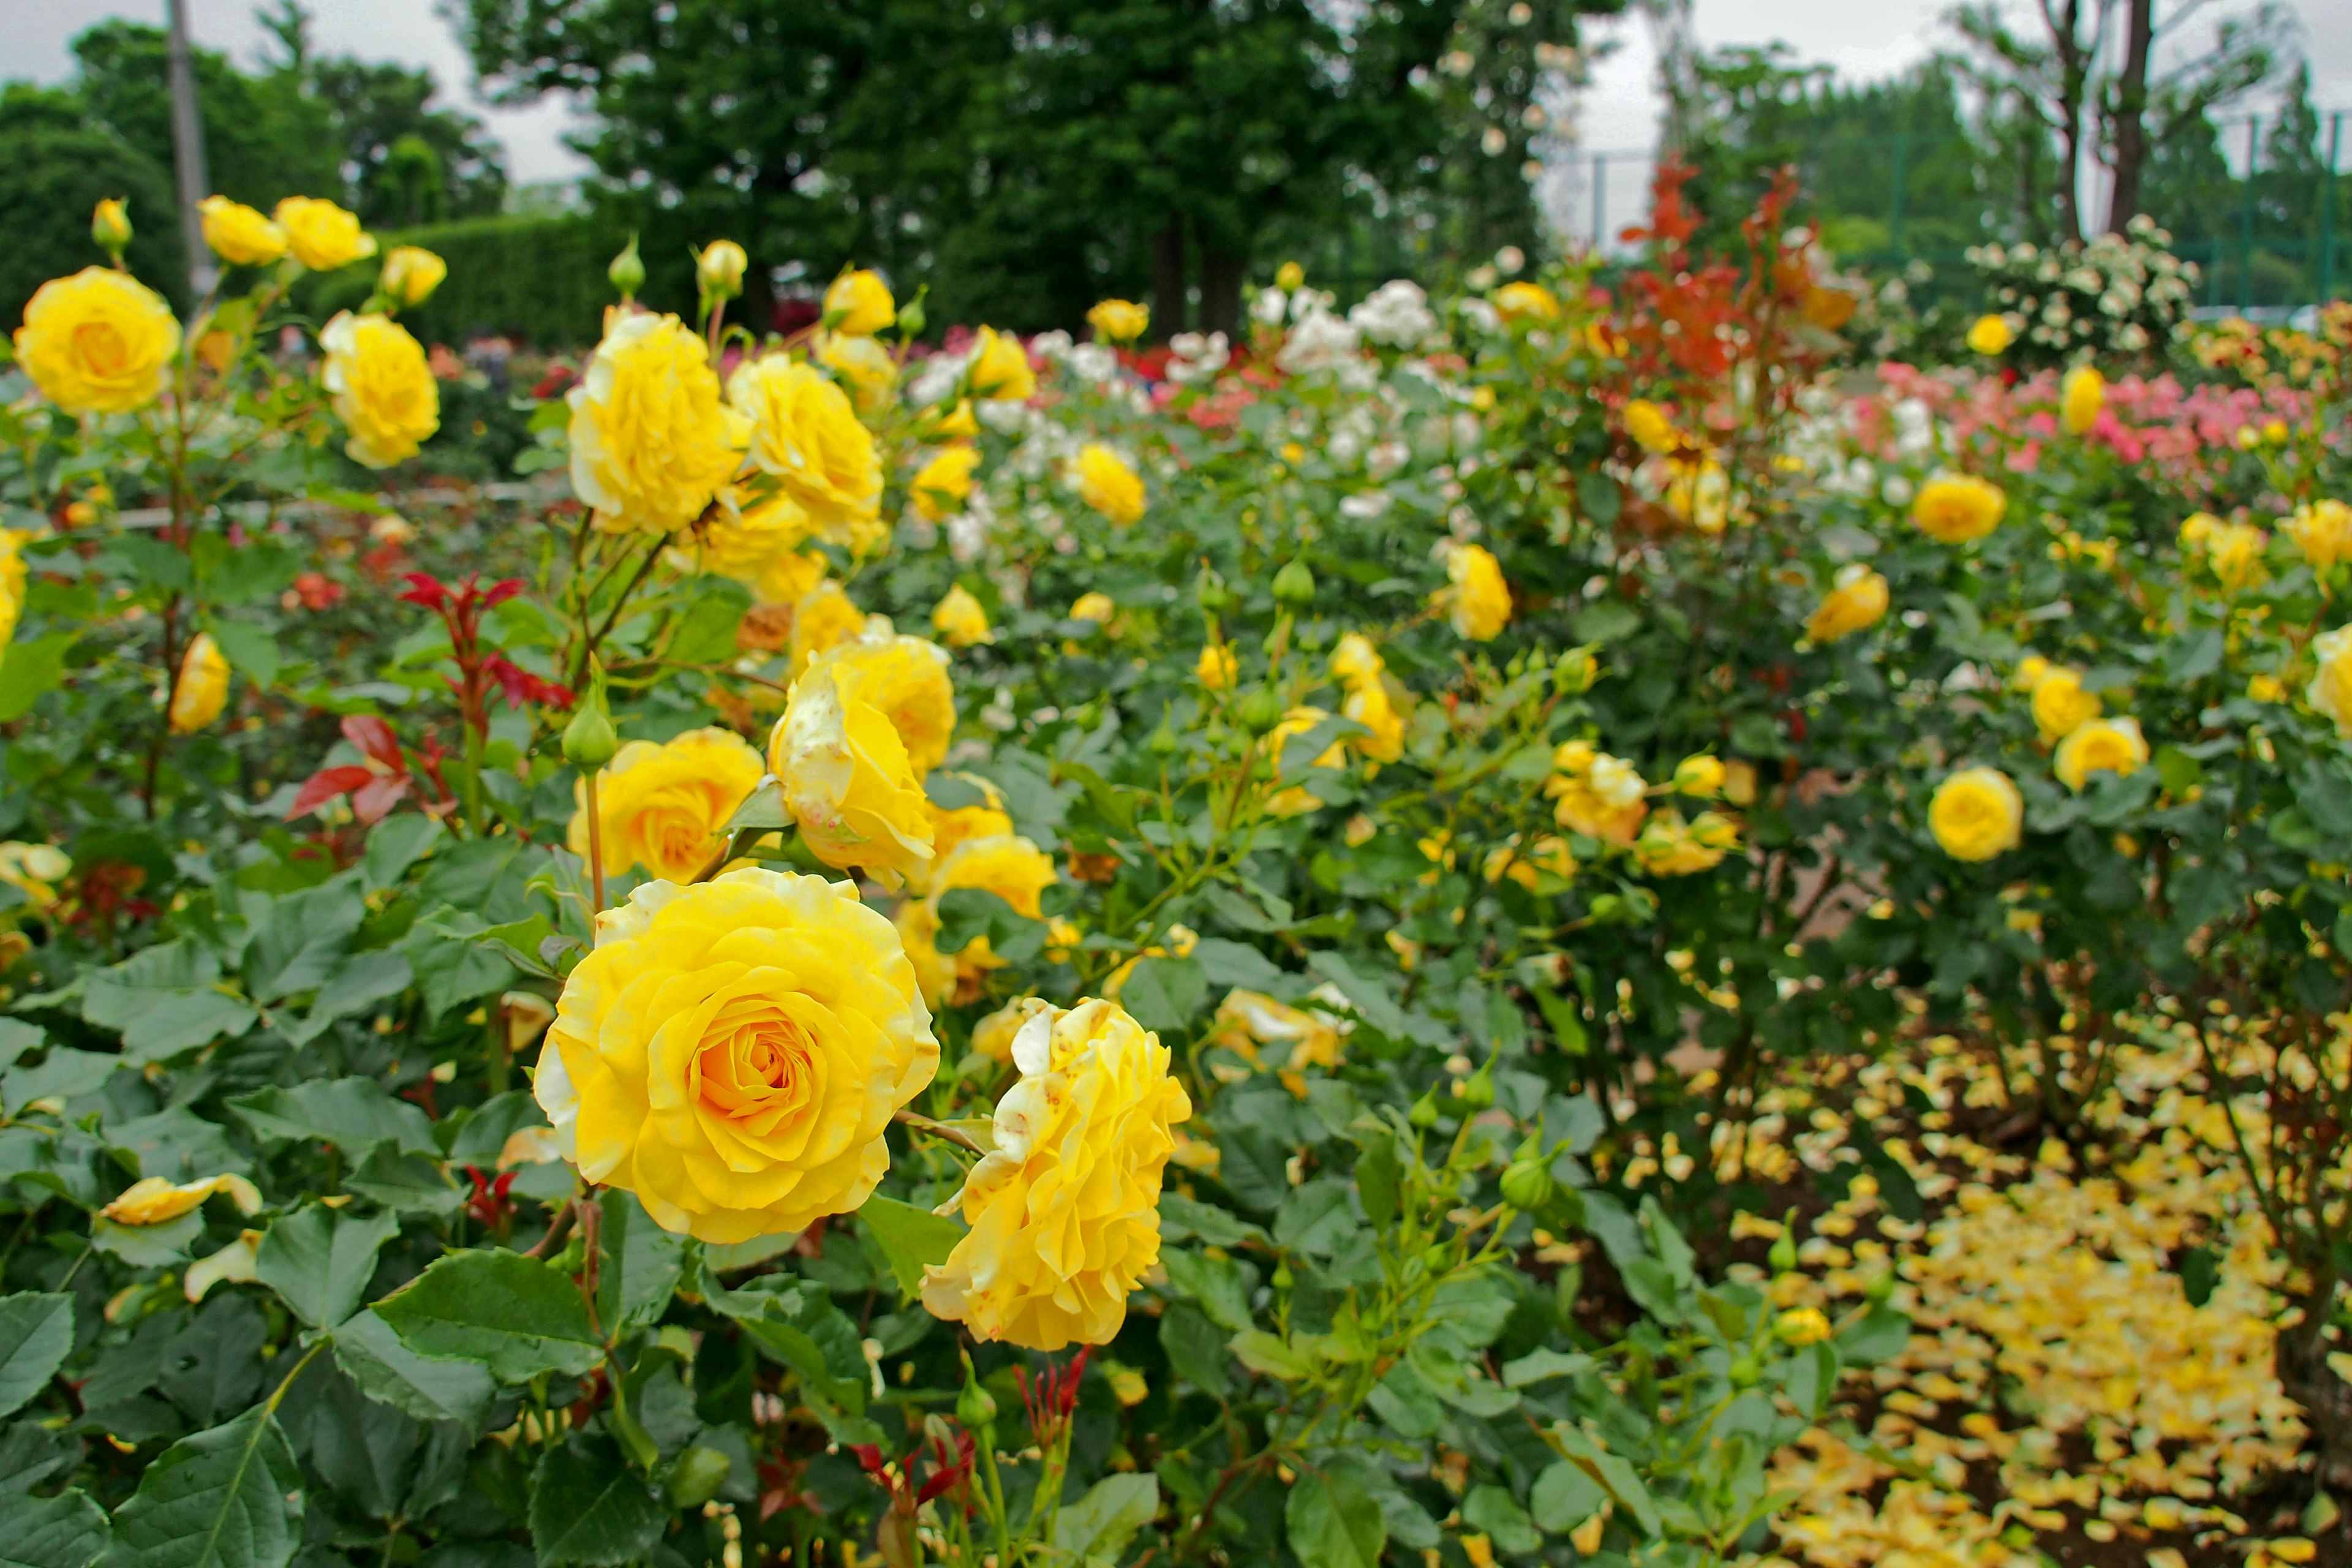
[[1221, 289], [1168, 280], [2131, 114], [2301, 1358]]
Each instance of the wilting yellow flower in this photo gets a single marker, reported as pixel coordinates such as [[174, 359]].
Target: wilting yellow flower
[[2330, 691], [661, 806], [1109, 485], [752, 1099], [2099, 745], [759, 547], [1596, 795], [157, 1200], [1527, 303], [1369, 704], [847, 778], [382, 388], [1007, 864], [322, 235], [410, 274], [804, 432], [202, 690], [1218, 666], [1957, 508], [1858, 601], [1651, 427], [100, 341], [1299, 799], [2081, 398], [1247, 1022], [2323, 532], [960, 620], [941, 486], [1119, 321], [718, 270], [1801, 1326], [999, 370], [859, 304], [2060, 703], [651, 443], [1065, 1210], [906, 678], [1976, 814], [1669, 846], [35, 870], [824, 618], [1990, 334], [864, 364], [1700, 776], [1095, 606], [12, 586], [1547, 857], [240, 235], [1476, 600]]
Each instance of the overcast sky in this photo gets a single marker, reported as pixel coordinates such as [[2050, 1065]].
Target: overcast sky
[[1862, 39]]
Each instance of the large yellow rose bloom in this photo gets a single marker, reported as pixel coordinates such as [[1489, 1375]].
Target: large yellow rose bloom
[[804, 432], [1109, 485], [1976, 814], [410, 275], [999, 368], [2061, 706], [732, 1053], [100, 341], [941, 486], [651, 443], [2323, 532], [960, 620], [1957, 508], [2330, 691], [202, 690], [1478, 601], [1527, 303], [240, 235], [1990, 334], [1065, 1210], [906, 678], [1857, 601], [822, 618], [1119, 321], [12, 586], [858, 304], [848, 780], [381, 386], [322, 235], [2099, 745], [661, 806], [1007, 864], [758, 547], [864, 365], [2081, 398]]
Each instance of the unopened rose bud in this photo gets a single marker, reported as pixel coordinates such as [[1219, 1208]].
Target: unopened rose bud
[[109, 226], [627, 272], [1293, 585], [718, 270]]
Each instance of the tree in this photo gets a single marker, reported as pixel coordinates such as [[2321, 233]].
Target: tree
[[53, 171]]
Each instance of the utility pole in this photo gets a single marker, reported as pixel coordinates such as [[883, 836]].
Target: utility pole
[[188, 152]]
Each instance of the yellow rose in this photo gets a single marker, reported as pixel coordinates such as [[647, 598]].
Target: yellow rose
[[156, 1200], [718, 270], [1700, 776], [1355, 660], [1857, 601], [1801, 1326], [941, 484], [2323, 532], [382, 388], [1669, 846], [847, 778], [2234, 552], [1299, 799], [322, 235], [1097, 607], [240, 235], [1289, 276], [824, 618], [2265, 688], [1009, 866], [1596, 795], [804, 432], [960, 620], [1369, 704], [1649, 425], [1248, 1021], [864, 364], [956, 423], [858, 304], [1119, 321], [1217, 666], [2029, 673], [1699, 492], [1990, 334], [12, 586], [2099, 745], [1478, 601], [2079, 400], [953, 825], [2060, 703], [999, 368], [1976, 814], [993, 1037], [1547, 857], [202, 690], [651, 444], [661, 806], [906, 678], [1957, 508], [759, 547], [35, 870], [100, 341], [2330, 691], [410, 275], [1527, 303], [733, 1052], [1109, 485], [1065, 1209]]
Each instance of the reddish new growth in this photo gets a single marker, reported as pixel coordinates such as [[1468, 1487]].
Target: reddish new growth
[[491, 1206], [1053, 1395], [461, 610], [949, 1468]]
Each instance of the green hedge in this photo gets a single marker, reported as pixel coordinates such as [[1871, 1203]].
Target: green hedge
[[538, 280]]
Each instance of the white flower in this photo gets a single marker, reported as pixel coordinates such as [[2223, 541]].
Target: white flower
[[1366, 504], [1097, 363], [1396, 313], [1320, 342], [1056, 344], [935, 381], [1195, 357], [1386, 457], [1270, 307]]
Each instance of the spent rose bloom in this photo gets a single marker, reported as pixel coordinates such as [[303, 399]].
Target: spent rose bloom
[[202, 690], [100, 341], [824, 617], [661, 806], [651, 443], [381, 386], [1976, 814], [157, 1200]]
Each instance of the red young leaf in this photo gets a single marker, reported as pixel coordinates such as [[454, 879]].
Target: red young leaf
[[325, 785]]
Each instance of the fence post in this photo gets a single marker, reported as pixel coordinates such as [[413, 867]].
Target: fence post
[[2327, 210], [2246, 215], [1895, 225]]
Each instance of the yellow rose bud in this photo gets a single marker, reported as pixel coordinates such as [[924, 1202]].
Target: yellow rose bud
[[661, 806], [2323, 532], [651, 444], [1957, 508], [858, 304], [1801, 1326], [1217, 666], [943, 484], [1369, 704], [822, 618], [1527, 303], [2099, 745], [240, 235], [2079, 400], [999, 368], [1476, 600], [1098, 607], [100, 341], [804, 432], [1857, 601], [1356, 661], [1107, 484], [1701, 777], [862, 365], [322, 235], [847, 775], [2265, 689], [410, 275], [2060, 703], [718, 270], [109, 226], [2274, 432], [1009, 866], [202, 690], [1299, 799], [1652, 427], [2330, 691], [1289, 276], [1976, 814], [156, 1200], [1119, 321], [381, 386], [753, 1099], [1065, 1210], [960, 620], [1990, 334]]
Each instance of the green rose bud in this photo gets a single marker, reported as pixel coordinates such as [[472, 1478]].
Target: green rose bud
[[628, 270], [1783, 1257], [697, 1475], [589, 740], [1478, 1089], [1261, 711], [109, 226], [1424, 1111], [1747, 1372], [1283, 1277], [975, 1406], [1294, 585], [911, 318], [1878, 1288], [1214, 594], [1526, 1184]]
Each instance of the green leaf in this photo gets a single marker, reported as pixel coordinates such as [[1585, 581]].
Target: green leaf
[[1270, 1354], [1214, 1282], [1333, 1518], [1195, 1348], [68, 1530], [18, 1038], [910, 1238], [164, 1000], [1538, 1365], [354, 1113], [1610, 1472], [764, 807], [404, 1183], [1182, 1220], [249, 647], [299, 941], [968, 914], [36, 1334], [1372, 1003], [588, 1507], [640, 1268], [389, 1371], [1877, 1334], [1565, 1496], [513, 1314], [1101, 1523], [319, 1260], [230, 1497], [394, 844], [31, 669], [64, 1074], [1162, 993], [1492, 1509]]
